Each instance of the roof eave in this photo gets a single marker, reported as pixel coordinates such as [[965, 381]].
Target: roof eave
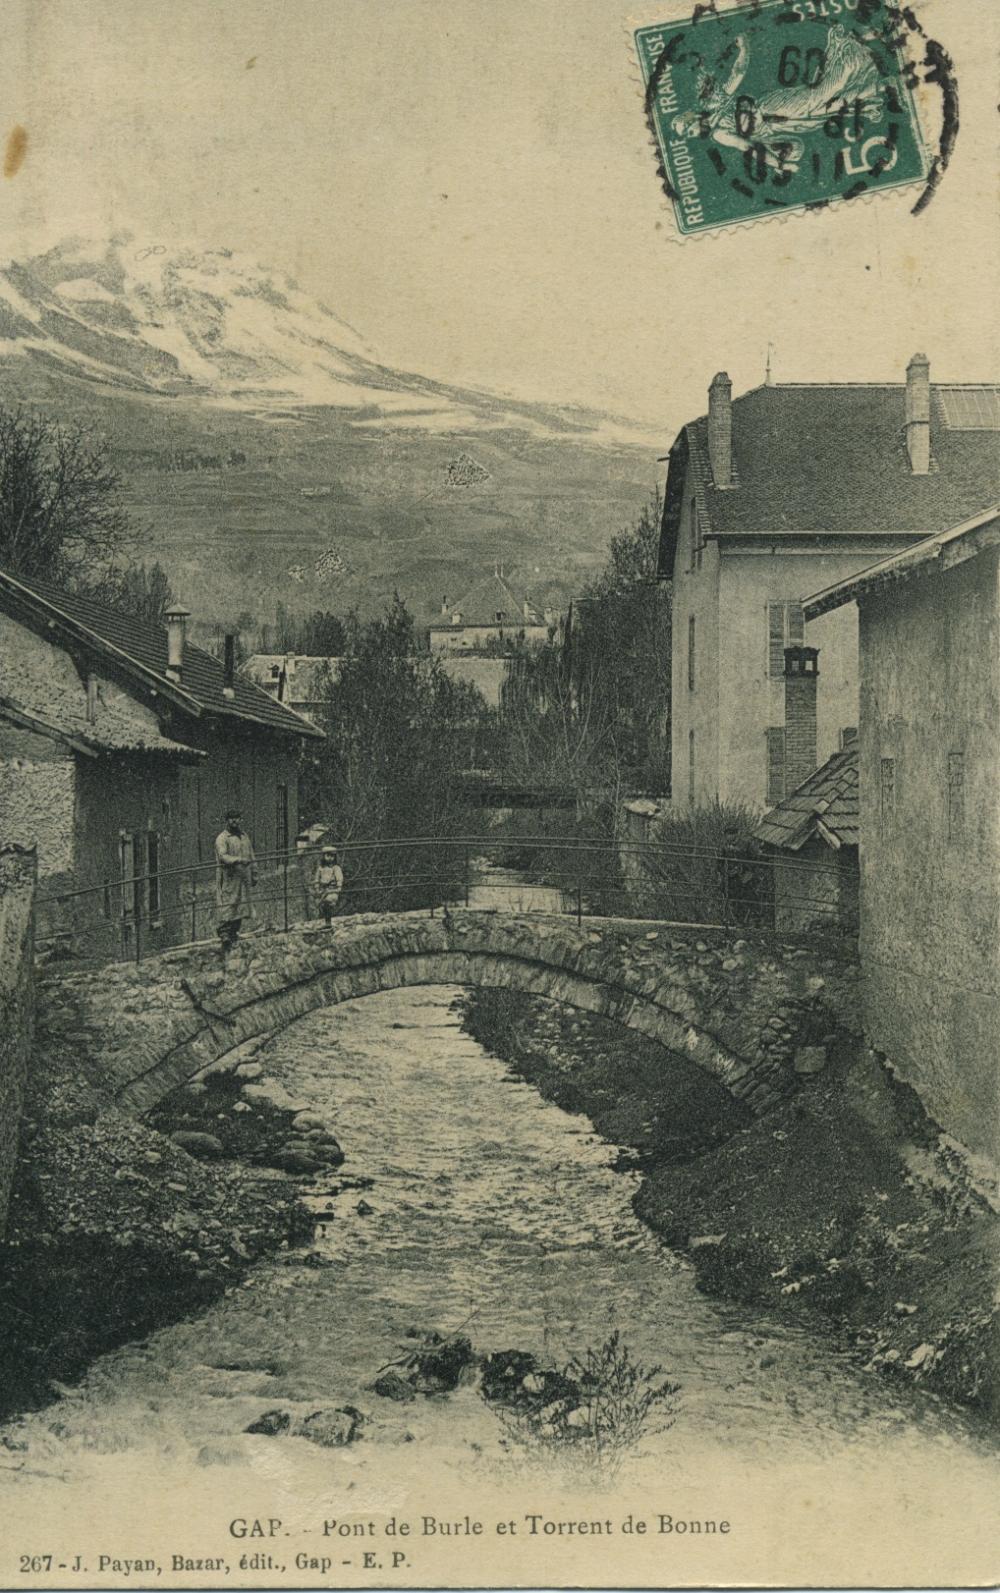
[[304, 728], [55, 618], [949, 547]]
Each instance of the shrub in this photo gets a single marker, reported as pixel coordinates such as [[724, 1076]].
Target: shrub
[[705, 866], [592, 1413]]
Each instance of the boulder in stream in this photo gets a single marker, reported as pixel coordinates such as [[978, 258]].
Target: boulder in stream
[[503, 1374], [271, 1424], [333, 1429], [204, 1146], [391, 1385]]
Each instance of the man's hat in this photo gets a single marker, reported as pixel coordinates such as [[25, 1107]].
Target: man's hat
[[233, 813]]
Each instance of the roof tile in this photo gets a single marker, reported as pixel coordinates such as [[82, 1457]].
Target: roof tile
[[831, 460], [145, 643], [830, 794]]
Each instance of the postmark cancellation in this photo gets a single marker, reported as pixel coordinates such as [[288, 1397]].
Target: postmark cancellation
[[780, 105]]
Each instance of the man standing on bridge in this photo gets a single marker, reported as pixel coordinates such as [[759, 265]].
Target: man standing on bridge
[[235, 874]]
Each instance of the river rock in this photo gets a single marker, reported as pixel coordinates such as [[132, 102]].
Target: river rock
[[294, 1161], [249, 1070], [503, 1373], [333, 1429], [271, 1424], [307, 1120], [810, 1059], [204, 1146], [222, 1452], [391, 1385]]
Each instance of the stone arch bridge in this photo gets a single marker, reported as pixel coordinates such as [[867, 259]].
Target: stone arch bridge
[[737, 1010]]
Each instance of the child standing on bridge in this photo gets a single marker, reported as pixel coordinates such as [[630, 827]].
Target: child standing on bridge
[[328, 882]]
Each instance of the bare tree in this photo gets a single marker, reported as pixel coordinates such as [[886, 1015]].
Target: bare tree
[[61, 512]]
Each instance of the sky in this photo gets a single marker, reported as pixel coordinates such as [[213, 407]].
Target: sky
[[470, 185]]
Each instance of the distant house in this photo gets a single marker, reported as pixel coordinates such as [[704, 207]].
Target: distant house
[[929, 756], [774, 494], [301, 681], [121, 746], [489, 616]]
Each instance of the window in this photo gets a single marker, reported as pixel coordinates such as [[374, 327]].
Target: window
[[956, 795], [775, 742], [887, 785], [281, 825], [691, 652], [153, 871], [691, 767], [131, 860], [785, 628]]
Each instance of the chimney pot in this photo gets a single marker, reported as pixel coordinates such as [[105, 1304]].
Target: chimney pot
[[444, 606], [801, 672], [176, 617], [918, 414], [720, 430]]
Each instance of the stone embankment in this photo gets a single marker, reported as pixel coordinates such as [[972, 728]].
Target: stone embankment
[[119, 1226], [841, 1203]]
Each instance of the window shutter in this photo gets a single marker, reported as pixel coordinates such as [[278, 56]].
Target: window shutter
[[796, 624], [691, 767], [776, 638], [691, 652], [775, 763]]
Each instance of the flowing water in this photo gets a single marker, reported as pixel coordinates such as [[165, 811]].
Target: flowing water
[[492, 1208]]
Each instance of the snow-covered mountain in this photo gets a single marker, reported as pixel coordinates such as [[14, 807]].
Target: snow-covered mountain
[[212, 324], [268, 456]]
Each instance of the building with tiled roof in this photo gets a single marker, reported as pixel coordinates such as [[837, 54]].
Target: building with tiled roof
[[301, 681], [490, 616], [121, 747], [778, 493]]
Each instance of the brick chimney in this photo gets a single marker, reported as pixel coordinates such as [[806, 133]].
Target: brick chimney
[[444, 607], [801, 671], [720, 429], [176, 618], [918, 414], [229, 666]]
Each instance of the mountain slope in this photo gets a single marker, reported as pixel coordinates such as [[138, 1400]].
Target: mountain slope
[[273, 458]]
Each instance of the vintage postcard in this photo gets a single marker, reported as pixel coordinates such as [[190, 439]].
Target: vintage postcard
[[499, 753]]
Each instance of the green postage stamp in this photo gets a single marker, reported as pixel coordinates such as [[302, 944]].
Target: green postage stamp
[[780, 105]]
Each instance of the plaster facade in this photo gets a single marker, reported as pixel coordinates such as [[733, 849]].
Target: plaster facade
[[731, 699], [37, 797], [930, 825]]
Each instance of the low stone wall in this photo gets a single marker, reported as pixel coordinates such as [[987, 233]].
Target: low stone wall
[[17, 1002], [738, 1010]]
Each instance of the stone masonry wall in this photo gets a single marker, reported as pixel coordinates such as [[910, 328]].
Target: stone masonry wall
[[739, 1010], [17, 1000]]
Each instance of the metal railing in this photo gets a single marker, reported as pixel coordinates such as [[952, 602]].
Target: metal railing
[[132, 916]]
